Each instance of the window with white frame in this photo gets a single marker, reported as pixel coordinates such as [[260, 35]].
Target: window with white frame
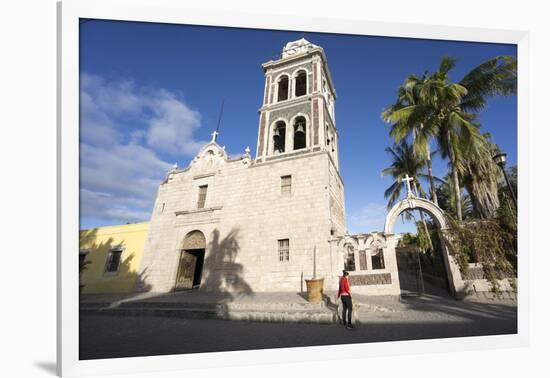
[[113, 260], [82, 259], [202, 196], [284, 250], [82, 256], [286, 185]]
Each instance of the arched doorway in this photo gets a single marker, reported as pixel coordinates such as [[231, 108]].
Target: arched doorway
[[191, 261], [454, 277]]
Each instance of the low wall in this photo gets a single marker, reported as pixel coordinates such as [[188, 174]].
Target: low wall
[[476, 285], [386, 283]]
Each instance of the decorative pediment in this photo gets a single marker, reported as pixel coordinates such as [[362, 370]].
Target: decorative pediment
[[209, 159], [349, 240], [375, 241]]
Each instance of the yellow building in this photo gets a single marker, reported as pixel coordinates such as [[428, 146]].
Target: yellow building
[[111, 257]]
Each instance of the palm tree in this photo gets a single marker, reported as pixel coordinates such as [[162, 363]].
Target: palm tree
[[446, 111], [480, 176], [408, 116], [405, 162], [495, 77], [440, 115], [459, 137], [447, 200]]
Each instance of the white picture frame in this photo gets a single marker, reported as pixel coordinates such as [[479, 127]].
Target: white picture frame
[[167, 11]]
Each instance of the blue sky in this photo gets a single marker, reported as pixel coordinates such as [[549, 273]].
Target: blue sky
[[151, 93]]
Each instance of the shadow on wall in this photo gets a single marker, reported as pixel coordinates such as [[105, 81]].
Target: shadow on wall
[[93, 275], [221, 273]]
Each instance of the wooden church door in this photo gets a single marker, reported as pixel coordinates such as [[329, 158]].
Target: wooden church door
[[186, 270]]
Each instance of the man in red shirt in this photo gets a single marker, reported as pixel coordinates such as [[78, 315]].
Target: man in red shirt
[[344, 293]]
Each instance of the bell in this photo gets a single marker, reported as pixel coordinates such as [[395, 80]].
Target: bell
[[300, 128], [276, 134]]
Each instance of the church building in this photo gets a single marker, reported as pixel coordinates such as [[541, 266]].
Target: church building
[[264, 223], [258, 224]]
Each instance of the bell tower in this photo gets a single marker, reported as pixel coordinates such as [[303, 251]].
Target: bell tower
[[297, 114]]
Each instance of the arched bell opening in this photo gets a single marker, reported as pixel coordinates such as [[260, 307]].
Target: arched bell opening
[[300, 84], [282, 94], [279, 137], [300, 133]]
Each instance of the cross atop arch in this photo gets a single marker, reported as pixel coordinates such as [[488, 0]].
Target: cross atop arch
[[408, 180]]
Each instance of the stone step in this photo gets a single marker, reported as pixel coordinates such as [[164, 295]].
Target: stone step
[[237, 306], [221, 312], [276, 306], [167, 305]]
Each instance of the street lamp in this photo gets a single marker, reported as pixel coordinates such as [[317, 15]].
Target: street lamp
[[500, 160]]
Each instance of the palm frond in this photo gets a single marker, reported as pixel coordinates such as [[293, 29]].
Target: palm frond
[[497, 76], [446, 65]]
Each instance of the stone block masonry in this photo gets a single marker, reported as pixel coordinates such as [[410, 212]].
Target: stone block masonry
[[371, 279], [245, 215]]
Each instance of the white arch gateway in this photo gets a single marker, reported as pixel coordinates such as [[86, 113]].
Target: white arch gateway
[[456, 283], [412, 203]]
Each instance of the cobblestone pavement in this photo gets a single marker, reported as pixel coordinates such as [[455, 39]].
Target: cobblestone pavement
[[105, 336]]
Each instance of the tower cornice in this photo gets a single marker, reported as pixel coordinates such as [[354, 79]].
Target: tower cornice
[[292, 101]]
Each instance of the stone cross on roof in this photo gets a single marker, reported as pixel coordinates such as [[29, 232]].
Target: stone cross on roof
[[408, 180], [214, 135]]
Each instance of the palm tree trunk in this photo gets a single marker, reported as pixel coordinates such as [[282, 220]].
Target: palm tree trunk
[[429, 164], [423, 220], [430, 175], [456, 185]]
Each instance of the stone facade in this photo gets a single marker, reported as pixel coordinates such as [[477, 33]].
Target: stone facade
[[244, 216]]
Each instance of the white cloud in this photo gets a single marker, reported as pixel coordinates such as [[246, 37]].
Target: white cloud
[[115, 98], [172, 127], [96, 128], [106, 207], [123, 130]]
